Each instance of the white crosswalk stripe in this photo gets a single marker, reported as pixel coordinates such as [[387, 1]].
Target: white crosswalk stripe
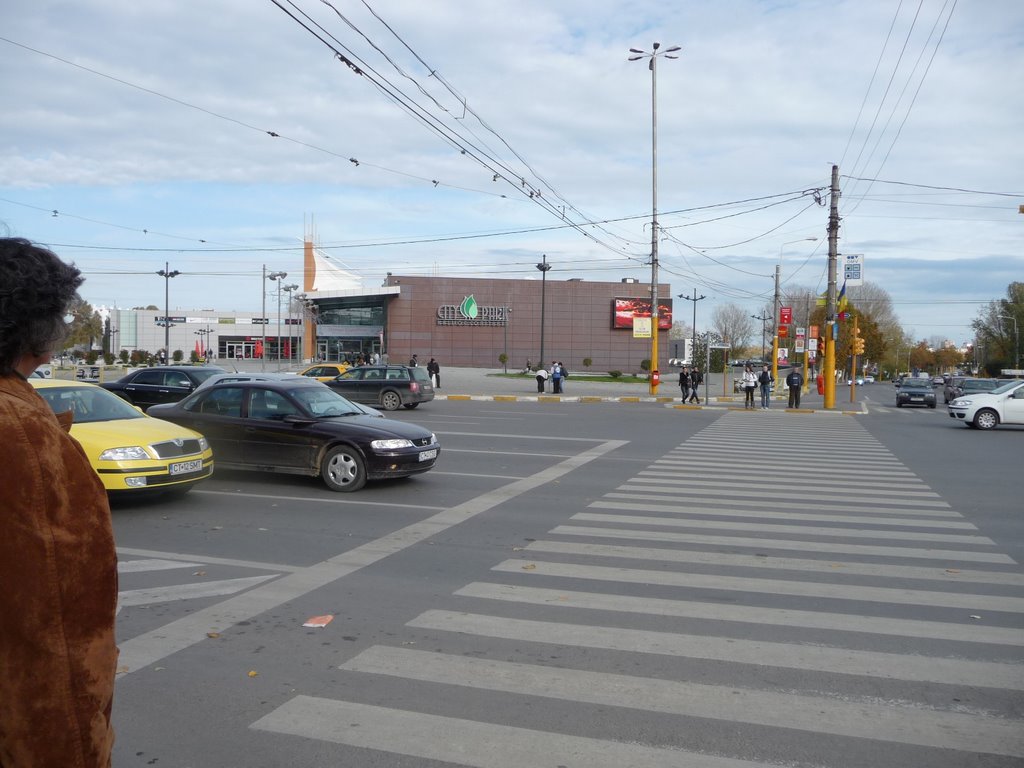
[[887, 626]]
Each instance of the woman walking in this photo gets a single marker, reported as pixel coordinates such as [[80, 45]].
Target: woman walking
[[749, 385]]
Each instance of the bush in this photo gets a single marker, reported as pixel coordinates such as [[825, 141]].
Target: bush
[[178, 356], [123, 356], [615, 374], [645, 365], [587, 362]]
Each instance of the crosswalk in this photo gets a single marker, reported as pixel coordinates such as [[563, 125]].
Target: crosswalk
[[726, 607]]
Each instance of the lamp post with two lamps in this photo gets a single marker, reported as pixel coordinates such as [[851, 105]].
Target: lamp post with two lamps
[[763, 317], [167, 273], [204, 334], [543, 267], [653, 66], [290, 290], [277, 276]]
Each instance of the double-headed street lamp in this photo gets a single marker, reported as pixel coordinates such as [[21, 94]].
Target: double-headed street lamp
[[653, 56], [271, 276], [289, 289], [763, 318], [166, 273], [543, 267]]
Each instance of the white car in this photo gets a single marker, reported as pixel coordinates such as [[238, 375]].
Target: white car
[[986, 410]]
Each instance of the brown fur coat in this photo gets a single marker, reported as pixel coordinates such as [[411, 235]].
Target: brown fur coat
[[58, 592]]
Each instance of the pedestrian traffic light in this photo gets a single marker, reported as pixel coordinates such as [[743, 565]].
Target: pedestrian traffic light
[[858, 345]]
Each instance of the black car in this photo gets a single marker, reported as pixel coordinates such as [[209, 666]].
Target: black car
[[389, 386], [160, 384], [915, 391], [302, 427]]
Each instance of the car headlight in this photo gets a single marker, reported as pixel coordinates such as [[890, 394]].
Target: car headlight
[[127, 453], [961, 402], [391, 445], [204, 445]]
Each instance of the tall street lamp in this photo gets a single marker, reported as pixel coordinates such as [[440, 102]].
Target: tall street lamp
[[777, 306], [166, 273], [290, 290], [1016, 334], [270, 276], [543, 267], [653, 56]]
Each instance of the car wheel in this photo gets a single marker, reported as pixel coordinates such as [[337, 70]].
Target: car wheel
[[343, 470], [986, 419], [899, 405], [931, 405], [390, 400], [410, 406]]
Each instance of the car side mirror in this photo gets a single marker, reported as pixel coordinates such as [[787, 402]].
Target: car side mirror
[[298, 420]]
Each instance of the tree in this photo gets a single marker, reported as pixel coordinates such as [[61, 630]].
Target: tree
[[996, 331], [86, 324], [733, 324]]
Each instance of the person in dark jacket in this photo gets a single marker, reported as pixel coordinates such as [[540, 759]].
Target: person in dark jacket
[[696, 379], [684, 383], [766, 381], [434, 372], [795, 382]]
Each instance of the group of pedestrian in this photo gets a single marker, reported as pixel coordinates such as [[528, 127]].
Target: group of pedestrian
[[690, 380], [558, 374], [433, 369], [765, 381]]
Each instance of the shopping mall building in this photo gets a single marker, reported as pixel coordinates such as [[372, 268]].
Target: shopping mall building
[[462, 322]]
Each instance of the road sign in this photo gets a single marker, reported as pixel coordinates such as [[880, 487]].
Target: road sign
[[853, 268], [785, 315]]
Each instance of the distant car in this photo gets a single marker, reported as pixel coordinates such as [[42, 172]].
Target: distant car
[[951, 389], [970, 386], [130, 451], [860, 381], [916, 391], [869, 379], [300, 426], [160, 384], [987, 410], [389, 386], [938, 381], [324, 371]]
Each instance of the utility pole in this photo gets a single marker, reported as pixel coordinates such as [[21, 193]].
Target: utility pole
[[829, 368], [543, 267], [775, 322], [693, 353], [763, 318]]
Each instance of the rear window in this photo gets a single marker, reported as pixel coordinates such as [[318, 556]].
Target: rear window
[[420, 374]]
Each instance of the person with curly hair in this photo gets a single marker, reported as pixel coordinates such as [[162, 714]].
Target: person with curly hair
[[58, 565]]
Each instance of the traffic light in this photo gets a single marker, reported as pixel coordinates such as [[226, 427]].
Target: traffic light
[[858, 345]]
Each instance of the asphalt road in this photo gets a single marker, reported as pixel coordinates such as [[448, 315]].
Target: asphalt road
[[593, 584]]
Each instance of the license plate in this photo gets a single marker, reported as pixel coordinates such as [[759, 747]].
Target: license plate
[[184, 467], [428, 455]]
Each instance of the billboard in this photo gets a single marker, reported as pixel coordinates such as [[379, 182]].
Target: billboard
[[625, 309]]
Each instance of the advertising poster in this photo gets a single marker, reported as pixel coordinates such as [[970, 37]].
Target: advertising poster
[[625, 309]]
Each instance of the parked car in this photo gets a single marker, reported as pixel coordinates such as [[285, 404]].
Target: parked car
[[915, 391], [987, 410], [218, 378], [160, 384], [324, 371], [951, 390], [300, 426], [130, 451], [389, 386], [968, 386]]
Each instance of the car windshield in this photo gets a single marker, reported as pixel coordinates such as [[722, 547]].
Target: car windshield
[[88, 404], [1008, 386], [420, 374], [322, 401], [917, 383], [976, 385], [202, 374]]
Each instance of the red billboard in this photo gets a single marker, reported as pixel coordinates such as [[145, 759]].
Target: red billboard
[[625, 309], [785, 315]]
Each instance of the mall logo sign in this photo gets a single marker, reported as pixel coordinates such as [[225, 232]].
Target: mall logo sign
[[471, 313]]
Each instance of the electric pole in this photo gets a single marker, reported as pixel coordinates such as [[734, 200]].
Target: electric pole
[[829, 368]]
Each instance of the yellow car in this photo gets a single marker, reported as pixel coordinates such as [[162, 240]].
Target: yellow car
[[129, 450], [324, 371]]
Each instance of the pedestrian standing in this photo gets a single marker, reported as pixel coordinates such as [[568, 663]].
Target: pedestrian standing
[[434, 372], [766, 381], [795, 382], [542, 377], [58, 566], [556, 377], [696, 379], [749, 385], [684, 383], [414, 361]]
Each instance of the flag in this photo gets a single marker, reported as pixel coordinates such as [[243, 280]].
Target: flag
[[842, 301]]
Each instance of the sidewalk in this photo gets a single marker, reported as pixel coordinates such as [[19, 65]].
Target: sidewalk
[[483, 384]]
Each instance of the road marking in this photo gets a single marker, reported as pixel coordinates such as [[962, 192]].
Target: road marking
[[152, 564], [468, 742], [761, 585], [843, 661], [862, 719], [776, 466], [948, 557], [335, 499], [656, 606], [661, 554], [204, 560], [169, 594], [804, 530], [473, 474], [674, 499], [148, 648], [794, 484], [757, 476]]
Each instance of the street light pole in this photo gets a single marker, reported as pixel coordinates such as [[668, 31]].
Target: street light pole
[[289, 289], [653, 56], [763, 318], [543, 267], [166, 273], [270, 276]]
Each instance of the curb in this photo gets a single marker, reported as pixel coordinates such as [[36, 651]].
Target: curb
[[723, 404]]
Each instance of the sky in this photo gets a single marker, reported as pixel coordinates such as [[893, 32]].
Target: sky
[[458, 138]]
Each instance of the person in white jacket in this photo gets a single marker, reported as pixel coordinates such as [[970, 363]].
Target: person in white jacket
[[749, 385]]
